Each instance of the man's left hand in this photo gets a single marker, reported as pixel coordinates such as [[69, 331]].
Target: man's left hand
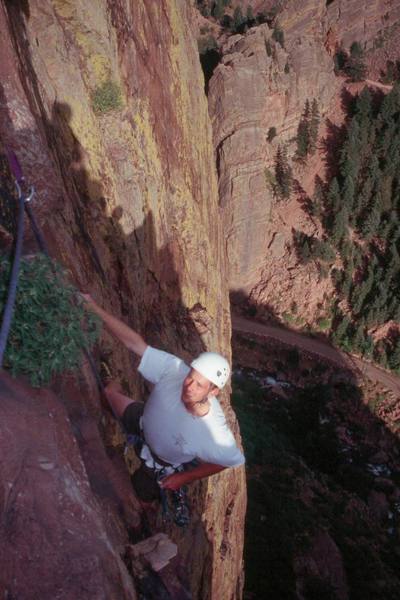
[[173, 482]]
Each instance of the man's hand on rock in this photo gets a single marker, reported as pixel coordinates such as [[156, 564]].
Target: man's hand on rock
[[87, 299], [173, 482]]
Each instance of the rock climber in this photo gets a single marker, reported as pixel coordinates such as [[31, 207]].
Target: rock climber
[[182, 425]]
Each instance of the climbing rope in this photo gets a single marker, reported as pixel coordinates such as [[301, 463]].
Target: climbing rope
[[23, 199]]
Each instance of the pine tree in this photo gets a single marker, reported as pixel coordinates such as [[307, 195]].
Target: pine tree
[[317, 202], [339, 226], [203, 8], [303, 244], [362, 199], [359, 293], [333, 198], [250, 15], [303, 133], [355, 67], [337, 278], [394, 357], [283, 173], [218, 9], [333, 204], [271, 134], [370, 224], [359, 338], [347, 194], [238, 19], [363, 107], [341, 329], [314, 126], [390, 105], [350, 154], [347, 282], [278, 34]]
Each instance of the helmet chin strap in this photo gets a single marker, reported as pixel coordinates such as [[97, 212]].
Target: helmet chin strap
[[203, 401]]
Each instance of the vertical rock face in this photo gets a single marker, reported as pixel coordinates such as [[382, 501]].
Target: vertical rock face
[[262, 84], [62, 516], [104, 105]]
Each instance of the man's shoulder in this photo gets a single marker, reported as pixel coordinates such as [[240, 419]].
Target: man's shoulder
[[157, 364]]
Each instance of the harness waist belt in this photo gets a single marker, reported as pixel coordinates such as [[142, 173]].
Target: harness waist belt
[[154, 456]]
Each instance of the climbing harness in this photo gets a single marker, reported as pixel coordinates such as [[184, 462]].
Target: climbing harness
[[181, 506], [180, 511]]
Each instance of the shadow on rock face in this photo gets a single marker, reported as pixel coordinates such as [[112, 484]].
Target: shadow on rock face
[[69, 508]]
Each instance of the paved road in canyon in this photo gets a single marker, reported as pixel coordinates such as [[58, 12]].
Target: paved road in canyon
[[380, 85], [319, 348]]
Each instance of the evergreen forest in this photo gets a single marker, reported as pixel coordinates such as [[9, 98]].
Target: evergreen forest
[[359, 209]]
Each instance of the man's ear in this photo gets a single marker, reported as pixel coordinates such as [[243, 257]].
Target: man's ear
[[214, 390]]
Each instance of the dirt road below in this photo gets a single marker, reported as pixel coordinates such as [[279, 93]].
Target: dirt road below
[[318, 348]]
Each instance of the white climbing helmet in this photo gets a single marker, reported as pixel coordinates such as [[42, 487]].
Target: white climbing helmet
[[213, 367]]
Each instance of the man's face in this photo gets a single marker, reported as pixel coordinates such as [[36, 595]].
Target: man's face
[[196, 388]]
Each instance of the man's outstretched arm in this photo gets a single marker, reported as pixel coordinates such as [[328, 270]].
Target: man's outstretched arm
[[132, 340], [177, 480]]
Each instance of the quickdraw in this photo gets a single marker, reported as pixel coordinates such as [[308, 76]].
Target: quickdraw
[[180, 512]]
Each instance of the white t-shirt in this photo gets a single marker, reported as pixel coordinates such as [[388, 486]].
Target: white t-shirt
[[173, 433]]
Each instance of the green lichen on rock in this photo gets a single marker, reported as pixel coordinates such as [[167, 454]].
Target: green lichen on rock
[[106, 97], [50, 328]]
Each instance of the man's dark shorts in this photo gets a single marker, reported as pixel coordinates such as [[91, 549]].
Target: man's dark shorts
[[144, 479]]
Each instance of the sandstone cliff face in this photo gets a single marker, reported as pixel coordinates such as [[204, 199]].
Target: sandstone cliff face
[[127, 198], [250, 92], [259, 85]]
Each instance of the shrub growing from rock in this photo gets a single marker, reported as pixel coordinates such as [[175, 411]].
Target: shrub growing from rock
[[278, 35], [106, 97], [271, 134], [50, 329]]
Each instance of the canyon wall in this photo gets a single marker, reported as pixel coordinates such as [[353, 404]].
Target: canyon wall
[[103, 103], [262, 84]]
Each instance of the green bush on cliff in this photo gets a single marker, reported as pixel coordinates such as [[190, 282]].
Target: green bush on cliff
[[278, 34], [106, 97], [271, 134], [49, 330]]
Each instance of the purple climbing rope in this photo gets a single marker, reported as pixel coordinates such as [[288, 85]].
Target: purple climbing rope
[[12, 289]]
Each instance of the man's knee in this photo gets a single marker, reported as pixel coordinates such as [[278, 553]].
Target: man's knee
[[113, 386], [116, 398]]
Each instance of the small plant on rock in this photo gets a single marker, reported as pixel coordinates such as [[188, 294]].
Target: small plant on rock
[[271, 134], [50, 329], [106, 97]]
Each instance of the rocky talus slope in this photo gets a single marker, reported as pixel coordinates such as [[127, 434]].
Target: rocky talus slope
[[103, 104], [262, 84]]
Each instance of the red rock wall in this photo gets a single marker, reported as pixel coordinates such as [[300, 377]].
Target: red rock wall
[[254, 89], [127, 200]]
